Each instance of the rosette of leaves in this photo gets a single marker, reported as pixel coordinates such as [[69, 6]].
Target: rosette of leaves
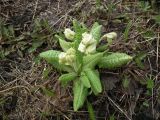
[[85, 78]]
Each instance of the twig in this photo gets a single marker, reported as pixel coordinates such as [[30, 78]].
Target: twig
[[3, 91], [35, 9], [118, 108]]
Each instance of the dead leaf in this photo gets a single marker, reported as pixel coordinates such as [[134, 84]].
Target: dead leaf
[[109, 80]]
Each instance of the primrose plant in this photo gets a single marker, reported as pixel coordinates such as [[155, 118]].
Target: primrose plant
[[81, 53]]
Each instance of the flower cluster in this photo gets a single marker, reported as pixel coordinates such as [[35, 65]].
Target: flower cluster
[[88, 44], [68, 57]]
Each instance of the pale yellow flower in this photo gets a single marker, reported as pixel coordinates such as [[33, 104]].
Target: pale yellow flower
[[67, 58], [69, 34], [87, 39], [88, 44], [111, 35], [62, 57]]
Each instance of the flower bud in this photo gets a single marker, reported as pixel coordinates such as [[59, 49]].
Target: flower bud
[[62, 57], [87, 39], [82, 47], [68, 57], [91, 49], [69, 34], [110, 35], [71, 51]]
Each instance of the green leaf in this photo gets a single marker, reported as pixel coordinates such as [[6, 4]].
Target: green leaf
[[46, 72], [51, 56], [96, 31], [94, 81], [126, 82], [157, 19], [145, 103], [138, 59], [80, 93], [148, 34], [95, 25], [85, 80], [91, 111], [114, 60], [90, 61], [126, 32], [64, 44], [150, 83], [79, 30], [11, 31], [65, 78], [112, 117], [48, 92], [35, 45]]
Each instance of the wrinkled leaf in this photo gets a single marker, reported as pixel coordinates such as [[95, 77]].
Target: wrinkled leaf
[[95, 25], [80, 93], [85, 80], [78, 33], [90, 61], [65, 78], [51, 56], [94, 81], [64, 44], [114, 60], [79, 30], [96, 31]]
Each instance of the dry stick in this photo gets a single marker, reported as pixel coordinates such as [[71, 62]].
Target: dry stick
[[3, 91], [157, 60], [118, 107], [9, 83], [71, 10], [50, 102], [59, 111], [157, 65], [35, 9]]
